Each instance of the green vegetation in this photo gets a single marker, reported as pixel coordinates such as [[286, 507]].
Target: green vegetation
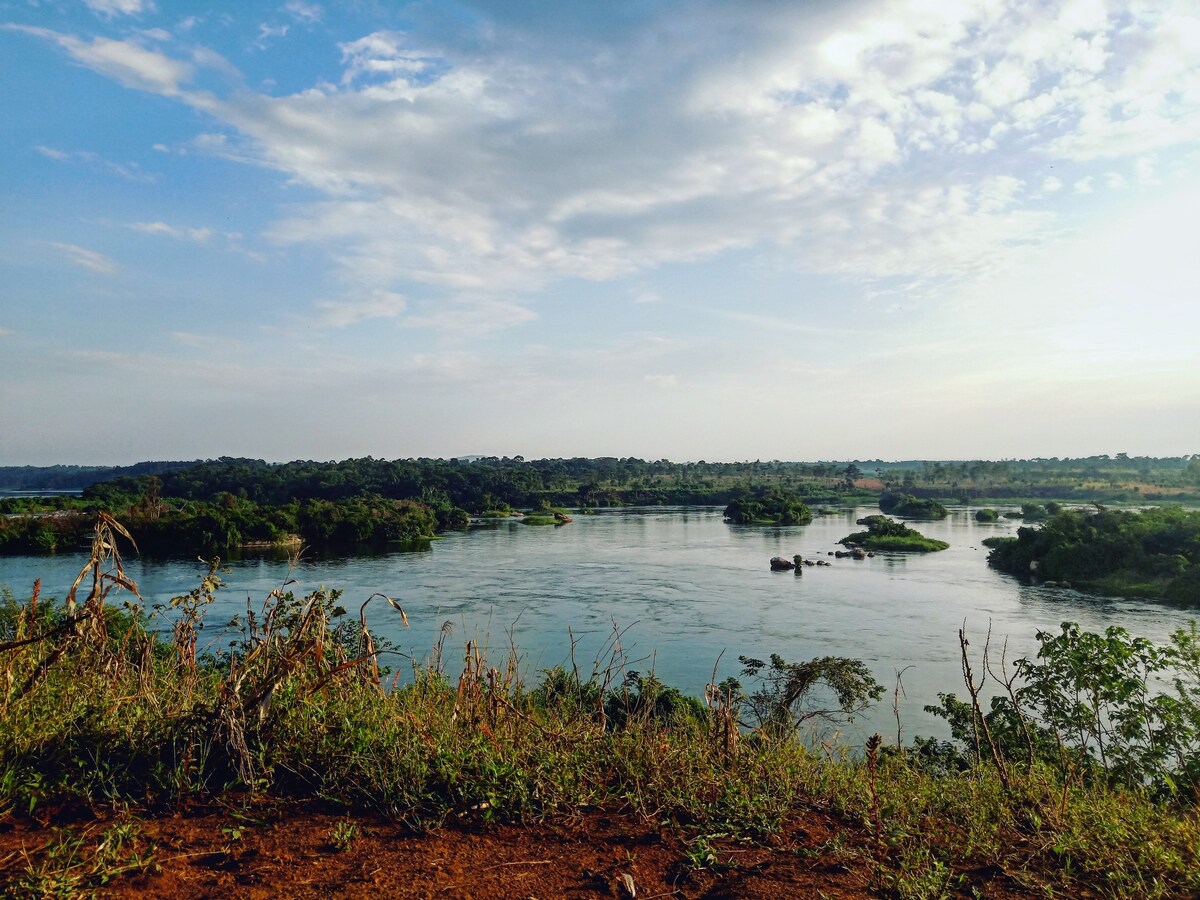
[[1034, 512], [766, 506], [884, 533], [911, 507], [1152, 553], [1090, 705], [217, 506], [1103, 478], [986, 515], [1080, 779], [76, 478], [162, 527]]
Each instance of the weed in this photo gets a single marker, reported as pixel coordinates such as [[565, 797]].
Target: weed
[[343, 835]]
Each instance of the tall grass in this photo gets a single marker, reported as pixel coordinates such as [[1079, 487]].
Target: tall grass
[[97, 708]]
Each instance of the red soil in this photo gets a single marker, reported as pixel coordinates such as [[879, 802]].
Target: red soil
[[288, 852]]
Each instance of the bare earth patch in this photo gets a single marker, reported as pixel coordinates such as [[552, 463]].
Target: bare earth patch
[[296, 851]]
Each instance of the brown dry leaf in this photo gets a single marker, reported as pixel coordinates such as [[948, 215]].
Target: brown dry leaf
[[396, 606]]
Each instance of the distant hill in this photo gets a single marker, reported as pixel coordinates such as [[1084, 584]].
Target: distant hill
[[76, 478]]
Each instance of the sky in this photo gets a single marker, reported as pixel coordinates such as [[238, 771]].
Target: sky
[[945, 229]]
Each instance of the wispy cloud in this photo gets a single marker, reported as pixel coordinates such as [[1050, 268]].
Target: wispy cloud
[[130, 171], [268, 33], [130, 63], [198, 235], [111, 8], [87, 259], [203, 235], [378, 305], [306, 13]]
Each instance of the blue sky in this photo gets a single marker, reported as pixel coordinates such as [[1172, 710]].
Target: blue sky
[[920, 228]]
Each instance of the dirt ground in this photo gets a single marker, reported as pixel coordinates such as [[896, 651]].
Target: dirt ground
[[295, 852]]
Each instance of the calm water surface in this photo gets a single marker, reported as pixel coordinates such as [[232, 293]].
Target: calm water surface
[[684, 589]]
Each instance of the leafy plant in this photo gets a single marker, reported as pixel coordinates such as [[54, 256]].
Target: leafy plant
[[831, 690]]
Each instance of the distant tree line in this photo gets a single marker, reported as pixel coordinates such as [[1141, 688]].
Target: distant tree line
[[76, 478]]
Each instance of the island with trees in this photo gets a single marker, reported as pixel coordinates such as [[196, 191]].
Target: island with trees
[[1153, 552], [884, 533], [767, 506]]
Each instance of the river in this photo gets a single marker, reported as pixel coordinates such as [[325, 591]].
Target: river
[[684, 590]]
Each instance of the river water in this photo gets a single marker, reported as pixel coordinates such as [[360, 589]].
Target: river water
[[685, 591]]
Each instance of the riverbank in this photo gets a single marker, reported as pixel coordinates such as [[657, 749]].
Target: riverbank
[[302, 850], [126, 757]]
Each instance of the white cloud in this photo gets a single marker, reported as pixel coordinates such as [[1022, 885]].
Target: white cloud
[[129, 63], [111, 8], [1144, 170], [471, 317], [269, 32], [87, 259], [902, 140], [378, 305], [6, 332], [129, 171], [308, 13], [198, 235]]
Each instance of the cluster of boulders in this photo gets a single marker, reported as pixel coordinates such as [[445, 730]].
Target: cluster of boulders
[[854, 551], [797, 562]]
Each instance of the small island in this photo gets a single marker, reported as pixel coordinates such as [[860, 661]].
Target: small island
[[884, 533], [768, 506], [911, 507]]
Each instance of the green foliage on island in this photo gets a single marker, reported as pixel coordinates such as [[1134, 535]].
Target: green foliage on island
[[165, 527], [986, 515], [768, 507], [1151, 553], [1080, 779], [911, 507], [884, 533]]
